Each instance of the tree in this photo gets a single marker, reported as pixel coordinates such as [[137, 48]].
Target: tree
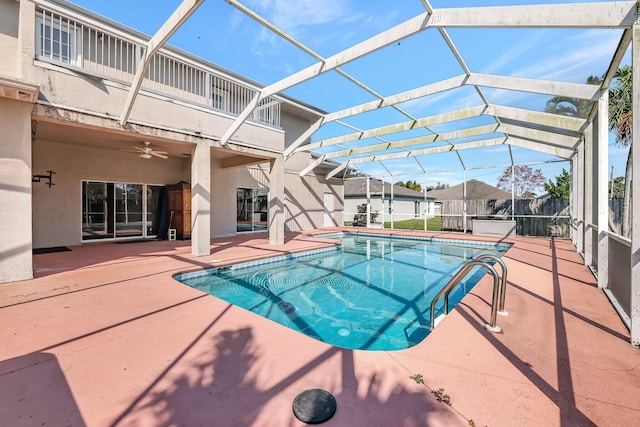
[[360, 219], [352, 173], [616, 188], [438, 186], [411, 185], [573, 107], [527, 180], [560, 188], [621, 121]]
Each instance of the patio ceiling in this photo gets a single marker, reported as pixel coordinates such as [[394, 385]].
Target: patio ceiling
[[403, 134]]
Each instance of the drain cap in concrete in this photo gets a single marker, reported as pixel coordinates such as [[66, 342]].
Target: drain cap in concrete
[[314, 406]]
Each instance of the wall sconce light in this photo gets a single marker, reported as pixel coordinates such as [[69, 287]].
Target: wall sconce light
[[49, 178]]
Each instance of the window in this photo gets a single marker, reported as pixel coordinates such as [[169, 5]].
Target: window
[[219, 98], [56, 39]]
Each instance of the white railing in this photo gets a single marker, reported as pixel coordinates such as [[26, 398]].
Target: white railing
[[78, 45]]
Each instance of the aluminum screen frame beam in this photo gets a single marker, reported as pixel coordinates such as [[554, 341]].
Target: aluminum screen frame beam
[[570, 15], [399, 32], [570, 90], [171, 25]]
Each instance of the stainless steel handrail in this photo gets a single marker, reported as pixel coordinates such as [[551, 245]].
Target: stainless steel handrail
[[455, 280], [503, 281]]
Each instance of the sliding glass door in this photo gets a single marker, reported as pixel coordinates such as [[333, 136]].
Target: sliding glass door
[[113, 210], [129, 206], [252, 209]]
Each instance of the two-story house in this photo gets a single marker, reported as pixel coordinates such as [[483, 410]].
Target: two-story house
[[97, 125]]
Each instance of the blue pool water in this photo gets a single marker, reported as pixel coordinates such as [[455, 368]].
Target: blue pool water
[[369, 293]]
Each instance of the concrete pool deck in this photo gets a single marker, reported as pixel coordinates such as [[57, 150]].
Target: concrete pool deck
[[104, 336]]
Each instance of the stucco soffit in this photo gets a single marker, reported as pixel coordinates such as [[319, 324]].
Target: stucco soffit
[[18, 91]]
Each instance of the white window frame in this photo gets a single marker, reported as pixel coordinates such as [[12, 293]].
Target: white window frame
[[219, 99], [74, 56]]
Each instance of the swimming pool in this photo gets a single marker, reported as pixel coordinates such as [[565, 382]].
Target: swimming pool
[[372, 292]]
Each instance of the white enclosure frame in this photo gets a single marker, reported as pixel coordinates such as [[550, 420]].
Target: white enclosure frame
[[582, 141]]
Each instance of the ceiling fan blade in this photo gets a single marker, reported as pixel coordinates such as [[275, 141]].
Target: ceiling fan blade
[[137, 150], [159, 154]]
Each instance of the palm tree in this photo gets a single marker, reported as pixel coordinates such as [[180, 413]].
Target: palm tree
[[620, 121], [573, 107]]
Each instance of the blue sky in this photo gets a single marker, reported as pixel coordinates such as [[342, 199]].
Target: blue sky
[[221, 34]]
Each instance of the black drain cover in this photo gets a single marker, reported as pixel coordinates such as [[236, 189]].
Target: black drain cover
[[314, 406]]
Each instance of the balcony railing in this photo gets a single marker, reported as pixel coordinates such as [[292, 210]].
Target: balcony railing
[[113, 56]]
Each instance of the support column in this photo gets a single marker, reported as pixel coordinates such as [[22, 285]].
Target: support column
[[513, 192], [15, 191], [368, 201], [276, 201], [391, 202], [635, 221], [464, 203], [602, 199], [201, 200], [587, 202], [572, 197], [580, 199]]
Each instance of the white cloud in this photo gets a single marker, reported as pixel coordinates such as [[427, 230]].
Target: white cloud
[[593, 48], [523, 48], [294, 16]]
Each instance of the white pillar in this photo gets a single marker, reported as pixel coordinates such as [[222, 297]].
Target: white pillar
[[579, 200], [513, 192], [382, 202], [602, 199], [276, 201], [368, 201], [464, 203], [635, 215], [572, 197], [201, 200], [391, 203], [15, 191], [589, 179], [425, 211]]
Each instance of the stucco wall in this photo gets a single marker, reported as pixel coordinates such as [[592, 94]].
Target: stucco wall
[[57, 210], [224, 183], [403, 209], [304, 201], [295, 126], [77, 92], [15, 191], [9, 11]]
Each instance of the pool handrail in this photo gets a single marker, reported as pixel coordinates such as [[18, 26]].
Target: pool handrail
[[455, 280], [503, 279]]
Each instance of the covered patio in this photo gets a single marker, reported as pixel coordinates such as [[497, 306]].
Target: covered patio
[[104, 336]]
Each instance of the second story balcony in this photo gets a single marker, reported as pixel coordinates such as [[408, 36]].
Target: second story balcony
[[89, 46]]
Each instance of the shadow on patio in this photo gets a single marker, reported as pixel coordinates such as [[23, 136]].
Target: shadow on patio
[[110, 338]]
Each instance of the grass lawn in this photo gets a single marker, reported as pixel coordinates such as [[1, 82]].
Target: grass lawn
[[433, 224]]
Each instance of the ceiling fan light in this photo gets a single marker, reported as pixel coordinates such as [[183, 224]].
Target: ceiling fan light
[[145, 155]]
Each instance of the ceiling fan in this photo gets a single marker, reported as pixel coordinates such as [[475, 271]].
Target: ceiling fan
[[147, 152]]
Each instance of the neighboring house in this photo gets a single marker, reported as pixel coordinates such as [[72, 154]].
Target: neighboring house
[[479, 197], [406, 204], [85, 156], [476, 190]]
